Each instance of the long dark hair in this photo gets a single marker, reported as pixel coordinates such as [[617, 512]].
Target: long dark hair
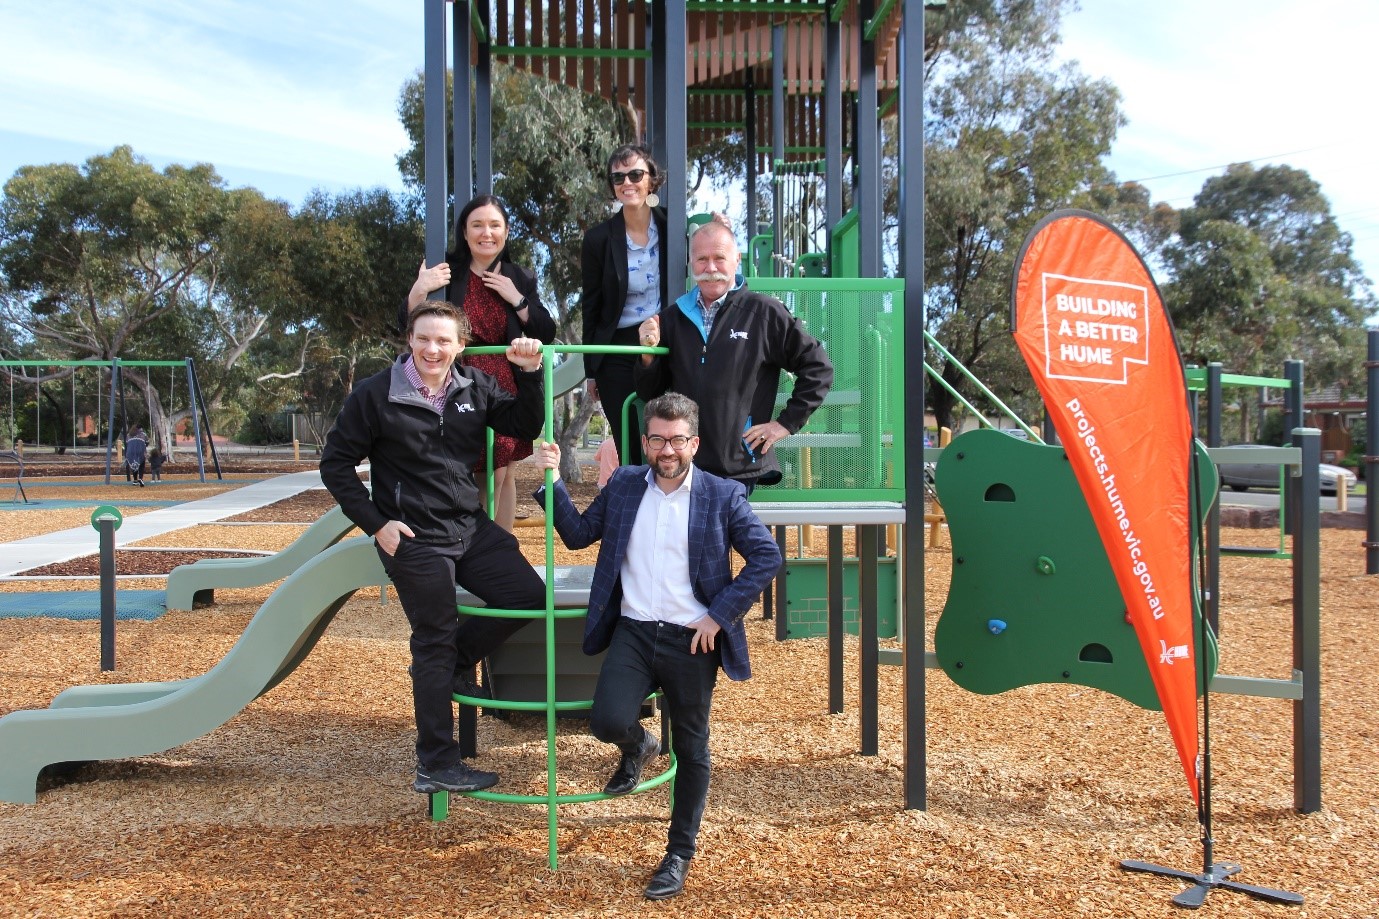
[[460, 255]]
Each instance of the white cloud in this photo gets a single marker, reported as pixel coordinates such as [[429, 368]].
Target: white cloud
[[1269, 81], [306, 91]]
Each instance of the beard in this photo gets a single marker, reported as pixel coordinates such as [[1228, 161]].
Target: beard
[[674, 467]]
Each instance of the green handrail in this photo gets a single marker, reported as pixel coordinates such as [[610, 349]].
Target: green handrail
[[440, 801], [933, 342]]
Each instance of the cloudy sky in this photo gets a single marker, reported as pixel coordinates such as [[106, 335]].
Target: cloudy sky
[[288, 96]]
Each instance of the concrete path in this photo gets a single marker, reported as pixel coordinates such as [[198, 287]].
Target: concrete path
[[63, 545]]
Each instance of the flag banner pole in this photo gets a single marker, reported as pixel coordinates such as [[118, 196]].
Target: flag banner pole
[[1089, 322]]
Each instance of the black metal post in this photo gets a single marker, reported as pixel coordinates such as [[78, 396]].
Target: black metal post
[[869, 218], [778, 96], [1305, 512], [868, 655], [911, 555], [833, 130], [1213, 537], [105, 526], [836, 562], [749, 127], [671, 122], [206, 417], [110, 424], [483, 112], [1372, 457], [433, 130], [461, 108]]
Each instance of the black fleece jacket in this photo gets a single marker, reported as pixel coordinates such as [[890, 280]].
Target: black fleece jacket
[[422, 461], [734, 376]]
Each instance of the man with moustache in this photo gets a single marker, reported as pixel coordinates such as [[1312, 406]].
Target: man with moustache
[[727, 348], [665, 605]]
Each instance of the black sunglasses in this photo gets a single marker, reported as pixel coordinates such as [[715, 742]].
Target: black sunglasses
[[634, 176]]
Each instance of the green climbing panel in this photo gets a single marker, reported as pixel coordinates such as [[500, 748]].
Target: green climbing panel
[[1033, 599]]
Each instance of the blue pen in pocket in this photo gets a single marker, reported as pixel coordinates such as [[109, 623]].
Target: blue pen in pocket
[[746, 446]]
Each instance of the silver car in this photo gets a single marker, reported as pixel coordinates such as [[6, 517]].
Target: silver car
[[1240, 476]]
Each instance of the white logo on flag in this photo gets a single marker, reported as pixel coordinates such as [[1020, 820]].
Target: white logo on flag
[[1169, 655]]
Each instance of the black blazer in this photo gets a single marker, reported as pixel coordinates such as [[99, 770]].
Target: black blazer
[[603, 262], [539, 322]]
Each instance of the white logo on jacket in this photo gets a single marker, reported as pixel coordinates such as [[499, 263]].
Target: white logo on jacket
[[734, 333], [463, 407]]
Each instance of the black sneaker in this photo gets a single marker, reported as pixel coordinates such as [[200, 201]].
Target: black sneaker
[[458, 777], [465, 686]]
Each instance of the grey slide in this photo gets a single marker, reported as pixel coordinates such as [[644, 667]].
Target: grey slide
[[117, 721]]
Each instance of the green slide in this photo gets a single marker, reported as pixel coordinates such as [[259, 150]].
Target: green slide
[[118, 721], [193, 586]]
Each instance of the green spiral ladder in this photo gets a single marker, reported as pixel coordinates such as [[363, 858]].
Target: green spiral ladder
[[438, 804]]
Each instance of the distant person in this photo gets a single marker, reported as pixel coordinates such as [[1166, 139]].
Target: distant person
[[666, 607], [727, 348], [501, 302], [623, 264], [135, 452], [156, 458], [422, 424]]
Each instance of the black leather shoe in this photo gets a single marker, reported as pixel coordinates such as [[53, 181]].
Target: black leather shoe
[[669, 878], [629, 772]]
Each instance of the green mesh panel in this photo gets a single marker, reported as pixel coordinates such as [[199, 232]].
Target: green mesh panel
[[852, 449]]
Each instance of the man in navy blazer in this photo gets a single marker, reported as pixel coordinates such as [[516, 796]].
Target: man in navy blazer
[[666, 607]]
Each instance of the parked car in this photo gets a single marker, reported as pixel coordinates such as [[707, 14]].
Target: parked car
[[1241, 476]]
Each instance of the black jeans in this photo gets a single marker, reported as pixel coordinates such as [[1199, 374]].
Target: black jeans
[[614, 380], [642, 657], [492, 567]]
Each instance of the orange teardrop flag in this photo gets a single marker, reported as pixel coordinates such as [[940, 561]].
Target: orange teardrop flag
[[1090, 324]]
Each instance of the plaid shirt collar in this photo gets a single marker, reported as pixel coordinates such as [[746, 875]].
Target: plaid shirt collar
[[437, 398]]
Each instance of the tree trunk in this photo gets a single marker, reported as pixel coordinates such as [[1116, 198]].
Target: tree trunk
[[572, 435]]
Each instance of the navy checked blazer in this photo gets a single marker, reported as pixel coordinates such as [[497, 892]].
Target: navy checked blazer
[[720, 518]]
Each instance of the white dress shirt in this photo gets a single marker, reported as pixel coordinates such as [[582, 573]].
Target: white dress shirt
[[655, 574]]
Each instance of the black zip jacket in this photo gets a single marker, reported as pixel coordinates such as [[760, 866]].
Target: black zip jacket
[[422, 461], [734, 376]]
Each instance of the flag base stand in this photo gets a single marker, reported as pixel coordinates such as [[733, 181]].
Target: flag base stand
[[1216, 876]]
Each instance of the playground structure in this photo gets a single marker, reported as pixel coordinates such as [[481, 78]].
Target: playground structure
[[812, 467], [103, 722], [116, 432]]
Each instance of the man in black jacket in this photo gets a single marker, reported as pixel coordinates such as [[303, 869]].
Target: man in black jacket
[[421, 424], [728, 347]]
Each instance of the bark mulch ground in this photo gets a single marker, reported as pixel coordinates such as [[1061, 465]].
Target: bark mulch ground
[[300, 805]]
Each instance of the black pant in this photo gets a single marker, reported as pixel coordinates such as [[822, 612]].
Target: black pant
[[490, 566], [642, 657], [614, 380]]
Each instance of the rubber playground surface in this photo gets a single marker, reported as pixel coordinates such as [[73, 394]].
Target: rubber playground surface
[[301, 805]]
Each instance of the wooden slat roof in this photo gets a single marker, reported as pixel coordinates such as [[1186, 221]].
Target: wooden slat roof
[[601, 46]]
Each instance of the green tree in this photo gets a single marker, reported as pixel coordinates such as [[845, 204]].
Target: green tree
[[1262, 273], [1011, 136]]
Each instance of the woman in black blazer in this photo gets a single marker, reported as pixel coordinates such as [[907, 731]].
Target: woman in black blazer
[[623, 261], [500, 299]]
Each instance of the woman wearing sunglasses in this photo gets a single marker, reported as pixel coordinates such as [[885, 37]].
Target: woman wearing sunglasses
[[624, 268], [501, 302]]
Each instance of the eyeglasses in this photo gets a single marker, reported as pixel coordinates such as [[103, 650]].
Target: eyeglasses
[[678, 442], [634, 176]]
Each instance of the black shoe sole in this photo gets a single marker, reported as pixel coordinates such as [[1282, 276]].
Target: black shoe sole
[[431, 788]]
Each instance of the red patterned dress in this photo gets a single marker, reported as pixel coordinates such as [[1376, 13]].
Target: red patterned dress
[[488, 324]]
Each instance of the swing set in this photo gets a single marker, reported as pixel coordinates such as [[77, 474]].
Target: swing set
[[107, 402]]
